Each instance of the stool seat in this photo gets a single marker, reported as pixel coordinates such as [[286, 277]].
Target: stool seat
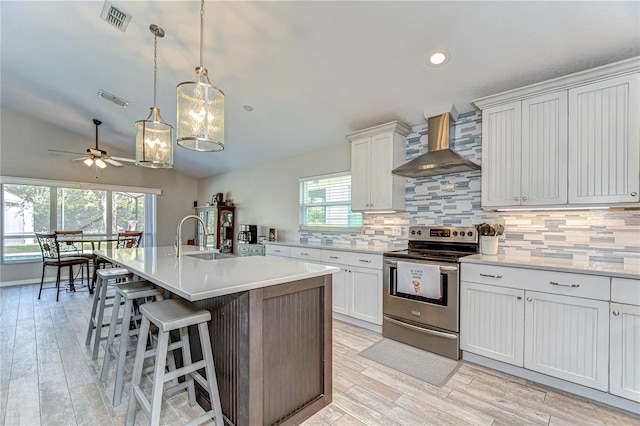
[[173, 314], [113, 272]]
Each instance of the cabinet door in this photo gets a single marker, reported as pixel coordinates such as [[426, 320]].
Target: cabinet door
[[544, 150], [625, 351], [360, 160], [492, 322], [366, 295], [604, 141], [568, 338], [380, 177], [340, 289], [501, 155]]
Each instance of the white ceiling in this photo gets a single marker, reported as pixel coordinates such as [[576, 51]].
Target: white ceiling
[[312, 70]]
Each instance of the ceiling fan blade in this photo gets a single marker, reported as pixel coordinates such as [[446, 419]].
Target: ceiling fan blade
[[126, 160], [79, 158], [112, 162], [66, 152]]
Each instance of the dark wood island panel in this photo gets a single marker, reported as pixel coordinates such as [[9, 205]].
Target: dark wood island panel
[[272, 352]]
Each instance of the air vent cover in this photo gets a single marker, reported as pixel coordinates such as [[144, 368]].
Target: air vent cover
[[115, 16]]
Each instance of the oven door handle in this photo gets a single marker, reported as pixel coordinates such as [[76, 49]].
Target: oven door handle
[[422, 330], [442, 268]]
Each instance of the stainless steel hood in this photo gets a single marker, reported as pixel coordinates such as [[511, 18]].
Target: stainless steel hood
[[439, 159]]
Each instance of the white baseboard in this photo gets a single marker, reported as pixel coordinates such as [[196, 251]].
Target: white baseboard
[[355, 321], [595, 395], [26, 282]]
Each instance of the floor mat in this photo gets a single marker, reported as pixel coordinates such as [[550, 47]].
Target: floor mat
[[423, 365]]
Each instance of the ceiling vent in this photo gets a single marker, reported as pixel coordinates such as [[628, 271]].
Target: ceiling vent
[[115, 16], [113, 98]]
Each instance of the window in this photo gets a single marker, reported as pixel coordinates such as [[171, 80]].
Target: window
[[325, 204], [30, 208]]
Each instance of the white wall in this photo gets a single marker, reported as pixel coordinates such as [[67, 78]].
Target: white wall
[[24, 142], [267, 195]]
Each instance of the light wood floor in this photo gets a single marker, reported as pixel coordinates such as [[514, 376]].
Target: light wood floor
[[47, 377]]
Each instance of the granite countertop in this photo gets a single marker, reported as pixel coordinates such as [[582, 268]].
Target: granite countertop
[[343, 247], [609, 269], [202, 274]]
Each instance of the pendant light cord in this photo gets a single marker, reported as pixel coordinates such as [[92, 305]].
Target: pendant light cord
[[201, 33], [155, 65]]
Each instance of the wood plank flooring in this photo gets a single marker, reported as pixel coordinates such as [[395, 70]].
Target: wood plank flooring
[[47, 377]]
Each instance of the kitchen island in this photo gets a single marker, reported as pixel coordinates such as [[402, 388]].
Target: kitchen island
[[270, 327]]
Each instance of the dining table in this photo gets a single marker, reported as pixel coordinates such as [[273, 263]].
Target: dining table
[[96, 244]]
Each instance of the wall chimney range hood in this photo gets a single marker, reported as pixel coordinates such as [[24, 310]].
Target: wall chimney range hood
[[439, 159]]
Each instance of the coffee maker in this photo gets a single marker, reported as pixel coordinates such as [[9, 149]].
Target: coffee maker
[[248, 234]]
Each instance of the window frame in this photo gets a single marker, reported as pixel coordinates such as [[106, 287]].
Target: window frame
[[150, 202], [325, 228]]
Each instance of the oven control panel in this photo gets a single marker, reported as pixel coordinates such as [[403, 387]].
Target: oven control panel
[[463, 234]]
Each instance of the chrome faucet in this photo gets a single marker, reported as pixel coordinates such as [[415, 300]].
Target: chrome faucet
[[179, 232]]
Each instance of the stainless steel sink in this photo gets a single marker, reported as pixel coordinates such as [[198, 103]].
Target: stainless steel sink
[[210, 255]]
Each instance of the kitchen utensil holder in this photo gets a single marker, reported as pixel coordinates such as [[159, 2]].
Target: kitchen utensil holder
[[489, 245]]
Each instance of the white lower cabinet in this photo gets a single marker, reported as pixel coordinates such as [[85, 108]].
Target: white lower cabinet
[[550, 332], [568, 338], [624, 352], [492, 322], [365, 294], [357, 287]]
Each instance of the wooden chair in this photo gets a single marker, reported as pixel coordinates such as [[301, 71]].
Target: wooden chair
[[52, 256], [127, 239]]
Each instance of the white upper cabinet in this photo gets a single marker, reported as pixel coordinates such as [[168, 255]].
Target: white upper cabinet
[[574, 140], [604, 147], [375, 152]]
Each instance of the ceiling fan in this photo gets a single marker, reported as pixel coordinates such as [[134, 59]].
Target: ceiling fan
[[96, 156]]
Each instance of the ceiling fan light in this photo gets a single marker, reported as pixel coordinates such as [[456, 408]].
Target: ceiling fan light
[[88, 162], [200, 109], [100, 164], [154, 142]]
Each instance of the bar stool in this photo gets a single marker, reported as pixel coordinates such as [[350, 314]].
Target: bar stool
[[96, 320], [168, 315], [129, 291]]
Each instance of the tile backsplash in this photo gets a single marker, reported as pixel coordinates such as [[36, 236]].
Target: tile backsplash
[[454, 199]]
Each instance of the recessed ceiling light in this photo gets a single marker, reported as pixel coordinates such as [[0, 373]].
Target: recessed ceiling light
[[438, 58], [248, 108]]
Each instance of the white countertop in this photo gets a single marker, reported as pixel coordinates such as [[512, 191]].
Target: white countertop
[[342, 247], [609, 269], [195, 279]]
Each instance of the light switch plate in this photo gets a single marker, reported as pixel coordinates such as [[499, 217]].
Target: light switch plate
[[396, 230]]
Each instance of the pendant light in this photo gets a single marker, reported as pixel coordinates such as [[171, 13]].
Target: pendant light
[[154, 137], [200, 106]]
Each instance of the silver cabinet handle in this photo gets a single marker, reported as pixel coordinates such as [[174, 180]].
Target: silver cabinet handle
[[364, 261], [277, 251], [304, 254], [516, 198], [563, 285], [616, 313], [519, 297], [633, 194], [529, 299], [524, 198], [491, 275], [334, 257]]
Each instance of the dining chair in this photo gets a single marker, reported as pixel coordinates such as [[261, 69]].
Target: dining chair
[[53, 256], [129, 239]]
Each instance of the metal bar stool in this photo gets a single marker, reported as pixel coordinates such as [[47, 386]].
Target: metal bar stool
[[96, 320], [168, 315], [130, 292]]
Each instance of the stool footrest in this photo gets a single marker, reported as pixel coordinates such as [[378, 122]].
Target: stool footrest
[[184, 370]]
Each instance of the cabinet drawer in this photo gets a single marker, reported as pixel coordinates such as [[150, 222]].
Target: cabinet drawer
[[352, 258], [625, 290], [277, 250], [243, 250], [304, 253], [257, 250], [564, 283]]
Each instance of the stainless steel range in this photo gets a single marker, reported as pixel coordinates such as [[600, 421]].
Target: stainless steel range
[[421, 288]]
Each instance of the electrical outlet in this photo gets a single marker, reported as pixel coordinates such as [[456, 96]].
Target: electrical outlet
[[396, 230]]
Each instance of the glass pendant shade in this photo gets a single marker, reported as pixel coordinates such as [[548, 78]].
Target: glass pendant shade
[[154, 142], [200, 116]]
